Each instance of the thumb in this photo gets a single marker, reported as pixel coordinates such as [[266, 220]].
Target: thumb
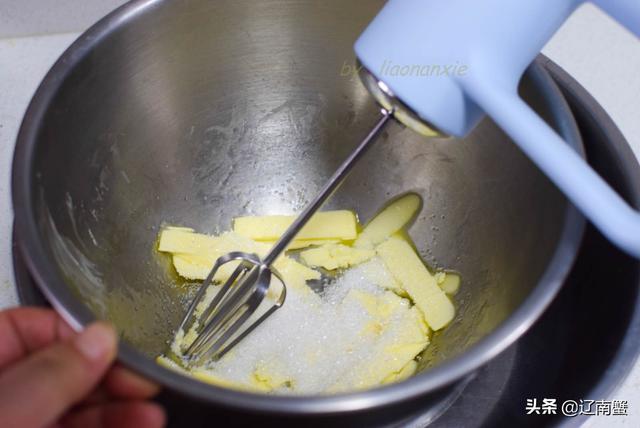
[[38, 390]]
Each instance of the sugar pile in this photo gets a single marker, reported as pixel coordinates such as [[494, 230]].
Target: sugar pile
[[318, 343]]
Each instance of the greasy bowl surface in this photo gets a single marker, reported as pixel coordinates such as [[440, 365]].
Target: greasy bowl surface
[[193, 112]]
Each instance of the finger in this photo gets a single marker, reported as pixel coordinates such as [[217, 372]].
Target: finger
[[64, 331], [133, 414], [123, 383], [98, 396], [53, 379], [24, 330]]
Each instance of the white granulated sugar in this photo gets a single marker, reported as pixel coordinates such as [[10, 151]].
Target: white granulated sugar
[[314, 342]]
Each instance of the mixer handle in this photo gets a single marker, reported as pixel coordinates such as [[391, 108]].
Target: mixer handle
[[563, 165], [486, 46], [626, 12], [619, 222]]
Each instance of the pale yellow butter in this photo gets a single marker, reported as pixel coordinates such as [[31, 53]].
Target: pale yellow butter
[[451, 283], [175, 240], [394, 330], [341, 225], [298, 244], [194, 255], [389, 221], [405, 373], [334, 256], [409, 270]]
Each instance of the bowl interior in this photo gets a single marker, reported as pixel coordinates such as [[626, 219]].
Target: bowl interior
[[192, 113]]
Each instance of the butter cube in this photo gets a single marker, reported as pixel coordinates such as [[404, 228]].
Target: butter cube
[[194, 255], [405, 372], [397, 215], [177, 240], [341, 225], [451, 283], [298, 244], [334, 256], [295, 274], [189, 267], [409, 270]]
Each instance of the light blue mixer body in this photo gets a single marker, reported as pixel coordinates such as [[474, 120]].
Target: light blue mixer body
[[453, 61]]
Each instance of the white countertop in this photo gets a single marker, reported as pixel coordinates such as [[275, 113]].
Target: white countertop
[[603, 57]]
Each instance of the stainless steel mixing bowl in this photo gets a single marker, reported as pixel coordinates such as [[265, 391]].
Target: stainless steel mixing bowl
[[193, 112]]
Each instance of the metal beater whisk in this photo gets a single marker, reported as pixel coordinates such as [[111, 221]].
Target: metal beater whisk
[[220, 327]]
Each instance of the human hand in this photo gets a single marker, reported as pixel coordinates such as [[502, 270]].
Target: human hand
[[53, 376]]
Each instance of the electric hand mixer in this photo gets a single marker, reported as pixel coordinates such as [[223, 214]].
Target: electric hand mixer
[[481, 48]]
